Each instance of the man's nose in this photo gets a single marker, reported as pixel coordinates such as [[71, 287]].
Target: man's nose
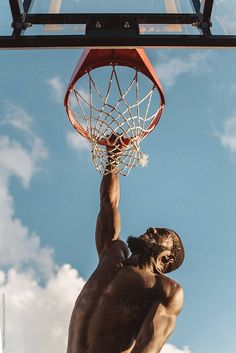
[[151, 231]]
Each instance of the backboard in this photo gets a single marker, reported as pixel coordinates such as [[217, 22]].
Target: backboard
[[117, 23]]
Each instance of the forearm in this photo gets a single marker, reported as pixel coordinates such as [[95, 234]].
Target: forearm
[[110, 190], [108, 221], [151, 339]]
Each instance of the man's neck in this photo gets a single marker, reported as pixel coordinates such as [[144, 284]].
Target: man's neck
[[148, 265]]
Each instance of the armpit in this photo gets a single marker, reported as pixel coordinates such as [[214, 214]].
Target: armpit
[[118, 251]]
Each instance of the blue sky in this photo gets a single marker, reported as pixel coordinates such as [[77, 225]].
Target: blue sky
[[49, 195]]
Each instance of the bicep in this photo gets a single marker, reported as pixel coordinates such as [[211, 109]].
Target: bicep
[[108, 222], [107, 228]]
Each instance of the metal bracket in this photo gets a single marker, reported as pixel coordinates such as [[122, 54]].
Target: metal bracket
[[112, 25], [20, 23], [203, 26]]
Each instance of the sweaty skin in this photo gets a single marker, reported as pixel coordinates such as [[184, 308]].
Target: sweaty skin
[[123, 307]]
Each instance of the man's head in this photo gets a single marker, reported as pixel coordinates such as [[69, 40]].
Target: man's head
[[162, 245]]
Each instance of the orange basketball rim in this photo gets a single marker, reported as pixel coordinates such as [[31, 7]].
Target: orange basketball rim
[[95, 58]]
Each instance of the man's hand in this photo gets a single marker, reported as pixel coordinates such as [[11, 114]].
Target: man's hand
[[116, 140], [115, 148]]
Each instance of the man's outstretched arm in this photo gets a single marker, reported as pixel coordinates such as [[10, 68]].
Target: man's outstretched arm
[[108, 221]]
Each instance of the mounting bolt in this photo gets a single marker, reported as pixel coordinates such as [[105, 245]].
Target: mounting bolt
[[27, 25], [202, 25], [196, 24], [98, 25], [126, 24]]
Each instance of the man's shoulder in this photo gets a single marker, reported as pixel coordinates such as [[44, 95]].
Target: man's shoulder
[[173, 294], [118, 251], [169, 285]]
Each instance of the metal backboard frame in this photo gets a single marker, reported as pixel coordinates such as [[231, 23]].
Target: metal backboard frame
[[116, 30]]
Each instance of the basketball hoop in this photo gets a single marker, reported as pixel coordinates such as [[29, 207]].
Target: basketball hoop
[[116, 118]]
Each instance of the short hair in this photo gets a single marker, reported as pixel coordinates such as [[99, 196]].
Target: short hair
[[177, 249]]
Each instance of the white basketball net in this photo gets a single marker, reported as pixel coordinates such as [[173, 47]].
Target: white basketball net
[[105, 117]]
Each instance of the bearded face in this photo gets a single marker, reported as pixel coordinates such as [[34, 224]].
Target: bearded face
[[146, 245], [162, 245]]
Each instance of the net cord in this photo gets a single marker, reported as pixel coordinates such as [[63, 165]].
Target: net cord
[[122, 125]]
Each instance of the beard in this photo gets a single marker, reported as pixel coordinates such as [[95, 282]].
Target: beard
[[144, 247]]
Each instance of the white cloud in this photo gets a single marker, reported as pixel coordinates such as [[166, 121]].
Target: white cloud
[[34, 313], [170, 348], [77, 142], [193, 64], [17, 117], [15, 158], [58, 88], [38, 317], [19, 247], [228, 136]]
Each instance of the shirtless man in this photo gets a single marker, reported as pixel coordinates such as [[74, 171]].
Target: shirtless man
[[128, 305]]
